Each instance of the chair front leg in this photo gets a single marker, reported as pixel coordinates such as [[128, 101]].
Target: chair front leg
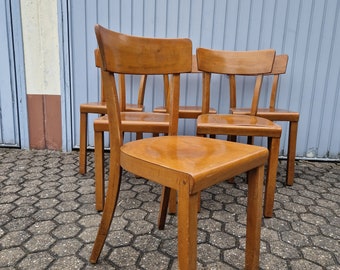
[[254, 216], [109, 209], [99, 169], [273, 161], [187, 227], [83, 143]]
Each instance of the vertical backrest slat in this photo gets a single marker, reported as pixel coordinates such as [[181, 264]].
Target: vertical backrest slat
[[232, 63]]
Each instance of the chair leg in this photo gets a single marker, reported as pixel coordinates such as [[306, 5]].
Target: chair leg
[[163, 207], [99, 169], [83, 143], [187, 227], [173, 202], [232, 138], [254, 216], [139, 135], [273, 161], [293, 127], [250, 140], [109, 209]]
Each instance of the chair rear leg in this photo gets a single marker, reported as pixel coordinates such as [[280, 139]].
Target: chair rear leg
[[172, 202], [273, 161], [163, 207], [293, 127], [83, 143]]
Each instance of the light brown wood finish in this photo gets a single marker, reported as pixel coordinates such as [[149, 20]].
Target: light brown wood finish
[[184, 163], [138, 122], [100, 108], [189, 112], [274, 114], [249, 63], [148, 122]]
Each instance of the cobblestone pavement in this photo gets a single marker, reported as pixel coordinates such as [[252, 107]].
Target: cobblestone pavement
[[48, 219]]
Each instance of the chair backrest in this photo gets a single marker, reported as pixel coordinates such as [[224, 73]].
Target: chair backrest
[[121, 82], [279, 67], [194, 69], [232, 63], [124, 54]]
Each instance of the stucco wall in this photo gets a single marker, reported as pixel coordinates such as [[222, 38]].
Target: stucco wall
[[41, 48]]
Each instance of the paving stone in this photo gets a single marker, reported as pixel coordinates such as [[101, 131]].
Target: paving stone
[[14, 239], [66, 247], [318, 256], [124, 256], [148, 260], [68, 262], [146, 243], [45, 214], [11, 256], [68, 196], [135, 214], [284, 250], [67, 206], [66, 231], [39, 242], [269, 261], [41, 227], [18, 224], [222, 240], [210, 225], [140, 227], [208, 253], [67, 217], [48, 219], [304, 265]]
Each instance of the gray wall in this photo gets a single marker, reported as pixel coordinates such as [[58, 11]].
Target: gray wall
[[308, 31]]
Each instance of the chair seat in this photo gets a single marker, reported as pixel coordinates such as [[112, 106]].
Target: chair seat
[[202, 161], [271, 114], [134, 107], [187, 111], [242, 125], [93, 107], [100, 107], [137, 122]]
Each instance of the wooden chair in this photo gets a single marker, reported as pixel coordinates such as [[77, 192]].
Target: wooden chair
[[189, 111], [274, 114], [100, 108], [255, 63], [138, 122], [187, 164]]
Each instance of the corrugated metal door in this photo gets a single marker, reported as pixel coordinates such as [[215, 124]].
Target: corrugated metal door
[[9, 122], [307, 30]]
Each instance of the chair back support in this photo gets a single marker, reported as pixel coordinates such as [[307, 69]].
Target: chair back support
[[247, 63], [139, 55], [279, 67], [98, 61], [124, 54], [122, 90]]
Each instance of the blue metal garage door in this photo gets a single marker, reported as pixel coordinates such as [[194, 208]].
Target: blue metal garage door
[[9, 125], [308, 31]]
